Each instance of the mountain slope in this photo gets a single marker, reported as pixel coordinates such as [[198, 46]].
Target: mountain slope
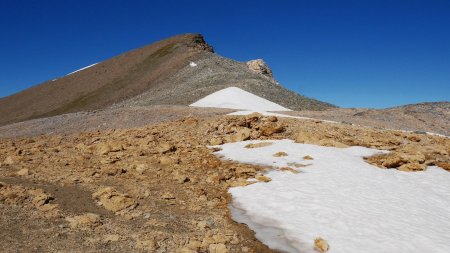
[[424, 117], [156, 74]]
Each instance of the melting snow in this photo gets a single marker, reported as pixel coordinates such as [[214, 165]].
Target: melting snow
[[236, 98], [193, 64], [353, 205], [81, 69]]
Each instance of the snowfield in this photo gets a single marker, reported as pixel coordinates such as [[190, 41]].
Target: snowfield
[[356, 207], [82, 69], [236, 98]]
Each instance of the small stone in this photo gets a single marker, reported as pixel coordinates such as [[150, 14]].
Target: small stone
[[185, 250], [141, 168], [177, 176], [111, 238], [166, 160], [263, 179], [258, 145], [88, 220], [202, 224], [280, 154], [307, 157], [412, 167], [270, 128], [194, 244], [147, 245], [218, 248], [445, 166], [289, 169], [23, 172], [167, 196], [245, 249], [271, 118], [321, 245], [113, 200], [103, 149], [166, 148], [8, 160], [216, 141], [242, 134]]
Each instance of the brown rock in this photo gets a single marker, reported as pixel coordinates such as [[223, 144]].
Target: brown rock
[[8, 161], [105, 148], [412, 167], [253, 117], [88, 220], [217, 248], [289, 169], [111, 238], [166, 148], [167, 196], [194, 244], [148, 245], [260, 67], [113, 200], [307, 157], [185, 250], [180, 178], [271, 118], [216, 141], [269, 128], [321, 245], [111, 171], [445, 166], [280, 154], [241, 135], [102, 149], [258, 145], [141, 168], [23, 172], [167, 160], [263, 179]]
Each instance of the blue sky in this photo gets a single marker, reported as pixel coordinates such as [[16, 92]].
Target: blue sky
[[350, 53]]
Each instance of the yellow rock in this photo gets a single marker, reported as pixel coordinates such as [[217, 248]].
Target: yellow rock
[[321, 245]]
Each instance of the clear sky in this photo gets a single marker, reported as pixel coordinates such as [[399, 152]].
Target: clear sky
[[350, 53]]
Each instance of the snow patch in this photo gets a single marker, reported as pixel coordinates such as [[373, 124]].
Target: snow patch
[[355, 206], [236, 98], [82, 69], [193, 64]]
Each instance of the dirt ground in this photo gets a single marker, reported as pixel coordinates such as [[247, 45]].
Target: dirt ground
[[160, 188]]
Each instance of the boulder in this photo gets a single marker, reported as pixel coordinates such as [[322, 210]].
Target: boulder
[[321, 245], [269, 128], [260, 67], [88, 220], [113, 200]]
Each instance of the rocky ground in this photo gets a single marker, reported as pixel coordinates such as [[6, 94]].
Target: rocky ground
[[117, 118], [159, 188]]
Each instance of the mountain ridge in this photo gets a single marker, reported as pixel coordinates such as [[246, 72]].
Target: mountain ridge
[[140, 76]]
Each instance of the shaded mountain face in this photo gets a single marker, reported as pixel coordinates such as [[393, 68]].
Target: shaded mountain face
[[160, 73]]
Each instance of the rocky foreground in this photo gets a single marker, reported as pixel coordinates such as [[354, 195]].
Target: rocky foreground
[[160, 188]]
